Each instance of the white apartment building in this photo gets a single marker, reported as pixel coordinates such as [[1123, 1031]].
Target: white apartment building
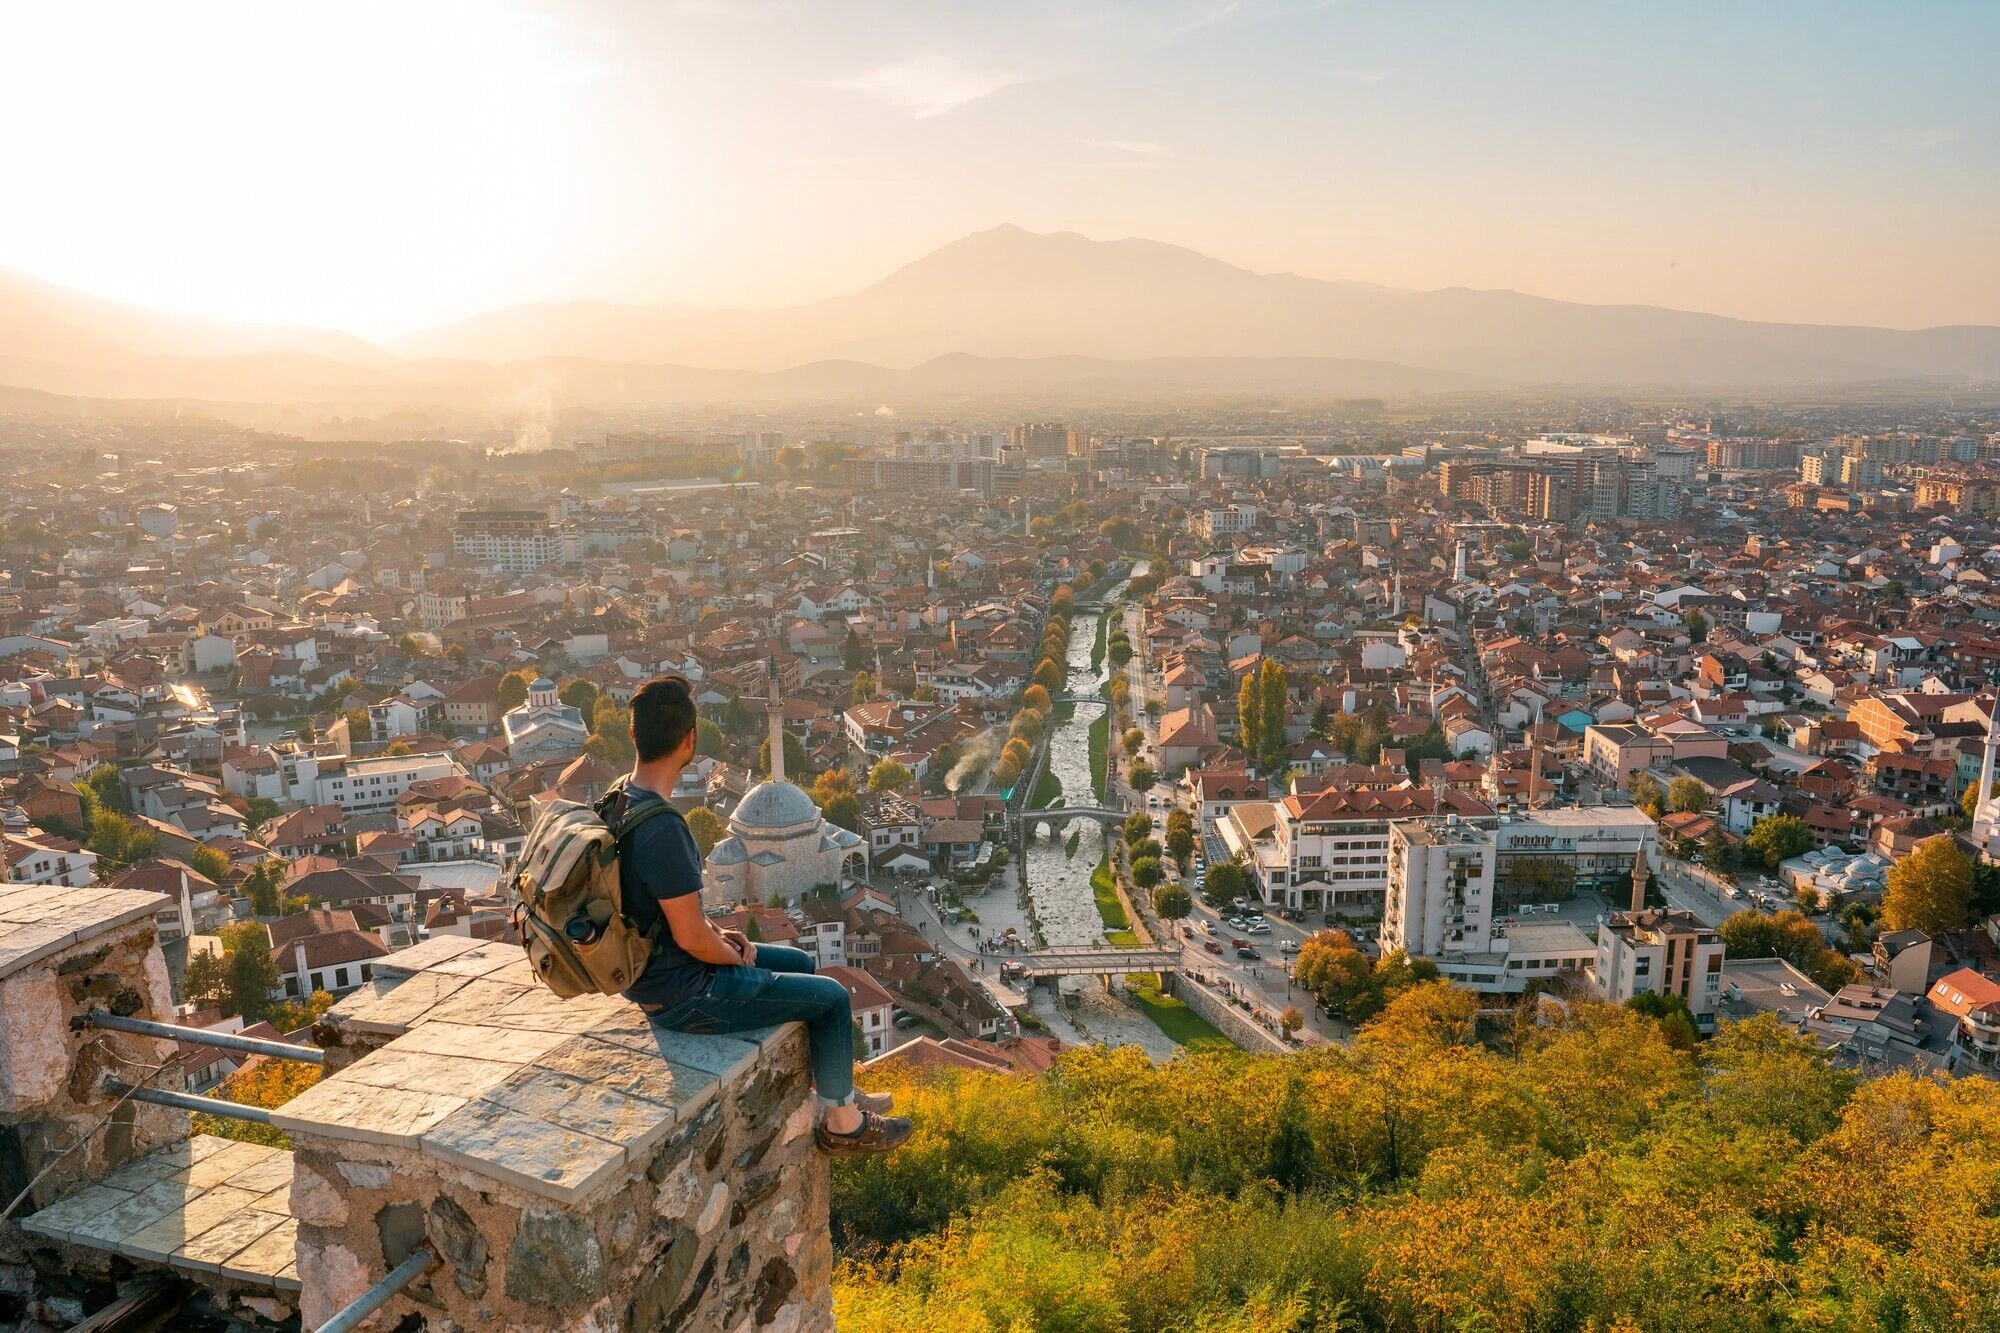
[[1442, 876], [1446, 877], [1663, 951], [1330, 850], [514, 541], [1213, 523], [361, 786]]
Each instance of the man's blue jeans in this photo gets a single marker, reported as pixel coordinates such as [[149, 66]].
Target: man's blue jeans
[[780, 989]]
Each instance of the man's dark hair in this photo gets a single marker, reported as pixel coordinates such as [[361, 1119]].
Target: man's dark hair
[[662, 716]]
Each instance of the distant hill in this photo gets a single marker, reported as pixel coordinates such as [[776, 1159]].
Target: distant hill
[[1000, 314], [1013, 293], [39, 319]]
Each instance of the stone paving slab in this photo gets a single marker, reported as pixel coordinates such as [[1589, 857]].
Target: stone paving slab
[[405, 1003], [272, 1257], [525, 1151], [341, 1107], [427, 1072], [481, 1041], [491, 956], [203, 1210], [61, 1218], [206, 1205], [604, 1065], [426, 954]]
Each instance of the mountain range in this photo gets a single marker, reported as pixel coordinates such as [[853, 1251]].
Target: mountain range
[[1004, 312]]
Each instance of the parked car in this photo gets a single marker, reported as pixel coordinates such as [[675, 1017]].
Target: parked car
[[1247, 953], [1239, 944], [1237, 922], [1211, 946], [1288, 946], [908, 1021], [1259, 927]]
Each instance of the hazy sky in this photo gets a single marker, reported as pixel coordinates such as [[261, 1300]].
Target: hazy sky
[[379, 167]]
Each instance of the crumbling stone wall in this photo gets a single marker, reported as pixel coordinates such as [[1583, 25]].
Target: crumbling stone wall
[[719, 1228], [51, 1069]]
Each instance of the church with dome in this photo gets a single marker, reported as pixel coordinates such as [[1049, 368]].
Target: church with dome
[[779, 842]]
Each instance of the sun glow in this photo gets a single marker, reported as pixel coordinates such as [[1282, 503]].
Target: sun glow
[[358, 165]]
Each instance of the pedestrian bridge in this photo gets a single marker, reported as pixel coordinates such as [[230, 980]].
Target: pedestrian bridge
[[1091, 962], [1062, 814], [1078, 699]]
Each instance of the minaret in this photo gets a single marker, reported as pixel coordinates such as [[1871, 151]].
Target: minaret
[[1534, 766], [1397, 609], [775, 710], [1640, 874], [1984, 815]]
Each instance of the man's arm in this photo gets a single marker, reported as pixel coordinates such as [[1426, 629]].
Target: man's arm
[[695, 933]]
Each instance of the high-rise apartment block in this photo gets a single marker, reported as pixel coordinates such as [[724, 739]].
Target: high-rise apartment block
[[515, 541], [1042, 439]]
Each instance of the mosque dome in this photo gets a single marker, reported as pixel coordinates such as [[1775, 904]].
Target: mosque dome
[[774, 805]]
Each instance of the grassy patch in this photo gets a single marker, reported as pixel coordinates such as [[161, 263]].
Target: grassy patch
[[1121, 939], [1048, 790], [1097, 646], [1185, 1026], [1069, 848], [1100, 753], [1109, 910]]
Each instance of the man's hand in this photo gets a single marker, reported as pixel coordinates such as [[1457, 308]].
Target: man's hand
[[743, 945]]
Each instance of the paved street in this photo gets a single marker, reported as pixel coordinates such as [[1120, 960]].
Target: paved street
[[1689, 893]]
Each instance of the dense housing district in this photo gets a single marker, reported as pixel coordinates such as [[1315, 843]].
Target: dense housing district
[[1560, 704]]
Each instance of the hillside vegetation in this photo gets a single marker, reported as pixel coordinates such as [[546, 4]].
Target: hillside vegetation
[[1586, 1175]]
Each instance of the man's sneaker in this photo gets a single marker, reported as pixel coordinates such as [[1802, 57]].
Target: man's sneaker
[[879, 1102], [878, 1133]]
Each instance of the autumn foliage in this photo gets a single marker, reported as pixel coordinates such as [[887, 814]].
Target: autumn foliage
[[264, 1082], [1577, 1174]]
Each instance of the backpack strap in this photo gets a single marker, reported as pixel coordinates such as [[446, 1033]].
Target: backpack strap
[[635, 812]]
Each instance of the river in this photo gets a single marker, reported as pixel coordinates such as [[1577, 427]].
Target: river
[[1058, 883]]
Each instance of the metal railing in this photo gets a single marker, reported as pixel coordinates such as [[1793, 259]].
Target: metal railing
[[187, 1101], [221, 1041], [368, 1302]]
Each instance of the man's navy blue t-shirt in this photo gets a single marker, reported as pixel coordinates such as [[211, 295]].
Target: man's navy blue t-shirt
[[660, 860]]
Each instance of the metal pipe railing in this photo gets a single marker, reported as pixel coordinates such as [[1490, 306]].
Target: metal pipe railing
[[377, 1296], [221, 1041], [188, 1101]]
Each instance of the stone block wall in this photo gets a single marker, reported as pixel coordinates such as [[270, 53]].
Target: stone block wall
[[1232, 1022], [52, 1112], [720, 1228]]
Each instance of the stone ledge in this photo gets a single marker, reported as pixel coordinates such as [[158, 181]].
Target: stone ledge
[[207, 1205], [486, 1069], [37, 921]]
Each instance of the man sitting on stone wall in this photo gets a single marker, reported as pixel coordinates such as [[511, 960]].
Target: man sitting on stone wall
[[702, 979]]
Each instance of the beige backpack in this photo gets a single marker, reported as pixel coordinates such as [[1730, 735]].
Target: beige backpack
[[569, 905]]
